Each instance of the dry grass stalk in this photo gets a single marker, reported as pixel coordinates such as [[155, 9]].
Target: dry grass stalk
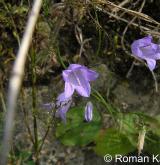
[[16, 79]]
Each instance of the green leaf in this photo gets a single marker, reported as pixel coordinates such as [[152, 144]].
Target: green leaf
[[76, 131], [151, 121], [128, 123], [19, 9], [30, 163], [152, 143], [25, 155], [129, 126], [112, 142], [156, 127]]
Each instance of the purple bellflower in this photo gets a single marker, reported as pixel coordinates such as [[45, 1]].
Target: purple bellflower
[[89, 112], [147, 50], [63, 104], [77, 77]]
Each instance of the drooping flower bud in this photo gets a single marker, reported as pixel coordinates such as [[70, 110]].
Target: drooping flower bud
[[89, 112]]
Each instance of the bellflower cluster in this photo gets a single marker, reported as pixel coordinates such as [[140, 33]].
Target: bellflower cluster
[[77, 78], [147, 50]]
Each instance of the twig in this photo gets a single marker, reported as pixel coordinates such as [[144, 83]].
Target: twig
[[145, 29], [121, 14], [43, 139], [130, 70], [122, 40], [140, 15], [81, 41], [123, 3], [26, 122], [16, 79], [126, 28]]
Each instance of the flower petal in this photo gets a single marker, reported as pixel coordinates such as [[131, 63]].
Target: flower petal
[[89, 74], [74, 66], [79, 82], [61, 112], [68, 90], [140, 43], [61, 98], [63, 104], [151, 64], [89, 112], [157, 56], [144, 41], [78, 77], [66, 74], [85, 88], [151, 51], [136, 51]]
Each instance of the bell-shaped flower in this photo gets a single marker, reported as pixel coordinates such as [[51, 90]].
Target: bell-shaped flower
[[77, 77], [145, 49], [63, 104], [88, 112]]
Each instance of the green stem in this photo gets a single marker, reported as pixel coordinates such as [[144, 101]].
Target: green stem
[[22, 105], [52, 123], [41, 145], [60, 58], [100, 98], [36, 147], [3, 102], [155, 81]]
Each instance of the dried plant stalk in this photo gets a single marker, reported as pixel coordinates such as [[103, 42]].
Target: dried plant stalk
[[141, 139], [16, 79]]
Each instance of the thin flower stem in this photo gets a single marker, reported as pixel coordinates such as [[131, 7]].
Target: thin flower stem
[[36, 140], [34, 111], [52, 122], [26, 123], [43, 140], [98, 96], [130, 70], [153, 75], [60, 58], [155, 81]]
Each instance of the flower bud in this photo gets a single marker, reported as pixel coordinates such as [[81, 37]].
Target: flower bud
[[89, 112]]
